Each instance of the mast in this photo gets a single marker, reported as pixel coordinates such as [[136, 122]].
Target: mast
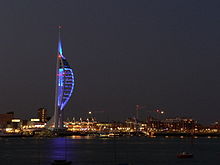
[[57, 114]]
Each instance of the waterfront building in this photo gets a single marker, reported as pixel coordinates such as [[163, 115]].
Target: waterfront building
[[16, 123], [173, 124], [5, 119], [35, 123]]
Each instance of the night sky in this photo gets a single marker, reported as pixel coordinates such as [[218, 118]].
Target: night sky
[[158, 53]]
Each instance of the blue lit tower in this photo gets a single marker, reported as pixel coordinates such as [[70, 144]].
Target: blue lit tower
[[64, 85]]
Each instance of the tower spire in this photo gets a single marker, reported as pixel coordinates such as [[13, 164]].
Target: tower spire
[[59, 28], [60, 50]]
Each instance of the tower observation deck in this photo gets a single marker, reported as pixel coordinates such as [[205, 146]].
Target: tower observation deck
[[64, 85]]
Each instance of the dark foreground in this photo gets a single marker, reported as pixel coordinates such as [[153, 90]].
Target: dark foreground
[[108, 151]]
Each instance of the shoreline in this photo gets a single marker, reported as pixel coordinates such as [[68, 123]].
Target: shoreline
[[112, 135]]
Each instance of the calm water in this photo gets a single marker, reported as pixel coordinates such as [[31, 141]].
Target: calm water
[[108, 151]]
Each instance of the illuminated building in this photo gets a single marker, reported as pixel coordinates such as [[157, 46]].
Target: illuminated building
[[171, 124], [179, 124], [35, 123], [42, 114], [64, 86], [16, 123], [5, 119]]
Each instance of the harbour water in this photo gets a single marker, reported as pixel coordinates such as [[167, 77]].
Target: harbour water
[[108, 151]]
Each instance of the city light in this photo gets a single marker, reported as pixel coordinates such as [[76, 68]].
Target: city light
[[35, 119], [15, 120]]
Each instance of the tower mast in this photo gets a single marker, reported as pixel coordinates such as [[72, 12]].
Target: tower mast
[[57, 113]]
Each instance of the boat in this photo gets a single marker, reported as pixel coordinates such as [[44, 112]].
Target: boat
[[184, 155], [61, 162]]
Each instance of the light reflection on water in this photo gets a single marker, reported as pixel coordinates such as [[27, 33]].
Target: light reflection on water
[[81, 137], [58, 148], [87, 150]]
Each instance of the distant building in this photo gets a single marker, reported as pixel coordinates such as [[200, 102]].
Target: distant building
[[16, 123], [5, 119], [179, 124], [173, 124], [42, 114], [35, 123]]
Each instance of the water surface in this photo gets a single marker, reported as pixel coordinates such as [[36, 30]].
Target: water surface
[[108, 151]]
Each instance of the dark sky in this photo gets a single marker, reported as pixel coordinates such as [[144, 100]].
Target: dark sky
[[157, 53]]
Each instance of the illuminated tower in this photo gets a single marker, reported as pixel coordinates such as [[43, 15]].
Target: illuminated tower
[[64, 85]]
